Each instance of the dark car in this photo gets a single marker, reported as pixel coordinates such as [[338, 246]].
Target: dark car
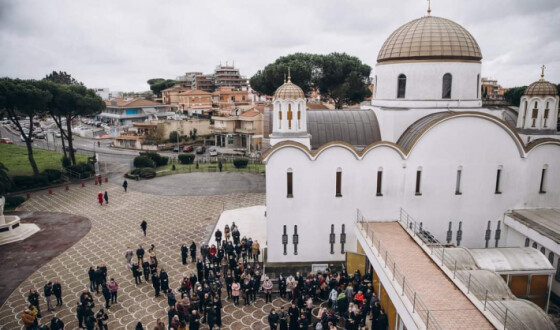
[[67, 149], [176, 149], [187, 149], [200, 150]]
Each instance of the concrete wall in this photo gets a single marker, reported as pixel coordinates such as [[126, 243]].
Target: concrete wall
[[185, 126], [480, 146]]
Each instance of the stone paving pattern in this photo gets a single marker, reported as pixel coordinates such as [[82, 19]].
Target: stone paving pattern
[[172, 220]]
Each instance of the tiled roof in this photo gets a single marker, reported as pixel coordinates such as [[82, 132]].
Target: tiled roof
[[250, 113], [541, 88], [289, 90], [430, 37], [195, 92], [120, 102]]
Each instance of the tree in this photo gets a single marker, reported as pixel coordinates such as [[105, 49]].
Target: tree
[[338, 76], [174, 136], [23, 98], [159, 84], [157, 135], [5, 181], [513, 95], [70, 100], [192, 133]]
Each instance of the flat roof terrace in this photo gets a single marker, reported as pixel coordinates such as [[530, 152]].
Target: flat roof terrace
[[450, 307]]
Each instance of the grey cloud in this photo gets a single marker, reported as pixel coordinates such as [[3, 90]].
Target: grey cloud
[[121, 44]]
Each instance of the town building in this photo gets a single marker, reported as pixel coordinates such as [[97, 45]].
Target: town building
[[223, 76], [422, 168], [106, 94], [194, 101], [243, 130], [226, 97], [171, 95], [126, 111]]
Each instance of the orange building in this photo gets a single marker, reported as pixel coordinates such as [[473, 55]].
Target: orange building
[[194, 100], [227, 97], [171, 95]]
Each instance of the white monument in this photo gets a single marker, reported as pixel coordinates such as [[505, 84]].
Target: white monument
[[11, 230]]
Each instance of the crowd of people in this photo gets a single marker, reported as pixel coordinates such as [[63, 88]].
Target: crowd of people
[[231, 265]]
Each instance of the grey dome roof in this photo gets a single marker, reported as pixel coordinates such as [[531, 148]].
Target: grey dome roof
[[430, 37], [541, 88], [289, 90], [356, 127]]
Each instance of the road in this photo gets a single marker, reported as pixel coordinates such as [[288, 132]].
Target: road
[[82, 145]]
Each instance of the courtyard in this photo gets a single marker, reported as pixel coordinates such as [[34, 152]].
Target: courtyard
[[172, 221]]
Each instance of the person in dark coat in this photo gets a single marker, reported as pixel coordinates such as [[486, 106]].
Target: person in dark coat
[[211, 317], [171, 312], [56, 324], [99, 278], [140, 254], [57, 291], [194, 322], [199, 270], [144, 226], [171, 300], [273, 319], [382, 322], [106, 295], [91, 274], [184, 254], [146, 270], [136, 273], [125, 186], [293, 315], [80, 314], [164, 280], [283, 319], [106, 197], [90, 322], [218, 236], [139, 325], [156, 284], [192, 248]]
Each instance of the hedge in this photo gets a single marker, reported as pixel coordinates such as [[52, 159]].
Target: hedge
[[52, 175], [158, 159], [240, 162], [147, 173], [143, 161], [14, 201], [186, 158], [83, 170], [23, 182]]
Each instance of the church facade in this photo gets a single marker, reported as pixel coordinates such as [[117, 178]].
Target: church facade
[[434, 151]]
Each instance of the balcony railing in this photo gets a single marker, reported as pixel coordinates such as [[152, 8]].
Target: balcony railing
[[418, 305], [490, 301]]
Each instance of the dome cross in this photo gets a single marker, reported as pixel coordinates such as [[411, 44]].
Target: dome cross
[[429, 7], [543, 67]]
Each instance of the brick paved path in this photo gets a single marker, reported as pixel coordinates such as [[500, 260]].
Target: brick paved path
[[172, 220]]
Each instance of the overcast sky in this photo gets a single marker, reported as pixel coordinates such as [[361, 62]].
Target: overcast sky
[[121, 44]]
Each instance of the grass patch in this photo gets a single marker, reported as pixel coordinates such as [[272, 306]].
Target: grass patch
[[14, 157], [180, 168]]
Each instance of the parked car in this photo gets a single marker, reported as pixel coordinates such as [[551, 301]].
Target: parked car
[[23, 140], [187, 149], [57, 134], [200, 150], [39, 135], [213, 152], [6, 141], [176, 149], [67, 149]]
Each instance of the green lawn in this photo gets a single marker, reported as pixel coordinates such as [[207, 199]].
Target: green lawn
[[227, 167], [14, 157]]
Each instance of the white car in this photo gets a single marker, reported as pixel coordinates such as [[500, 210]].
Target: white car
[[213, 152]]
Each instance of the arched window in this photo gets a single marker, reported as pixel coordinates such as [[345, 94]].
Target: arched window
[[546, 112], [527, 242], [338, 182], [280, 116], [447, 80], [401, 90], [535, 114], [534, 245], [542, 188], [379, 191], [458, 181], [299, 115], [289, 176], [551, 257], [478, 86], [499, 180], [418, 190], [524, 112], [290, 116], [543, 250]]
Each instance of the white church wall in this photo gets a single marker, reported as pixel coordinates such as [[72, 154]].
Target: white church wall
[[476, 144], [424, 83]]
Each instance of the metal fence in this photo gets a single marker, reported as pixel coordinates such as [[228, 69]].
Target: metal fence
[[418, 305], [491, 302]]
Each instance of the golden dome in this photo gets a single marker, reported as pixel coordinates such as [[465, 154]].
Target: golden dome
[[430, 37], [289, 90], [541, 88]]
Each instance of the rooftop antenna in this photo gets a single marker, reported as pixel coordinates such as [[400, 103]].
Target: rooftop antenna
[[284, 78], [429, 7], [542, 71]]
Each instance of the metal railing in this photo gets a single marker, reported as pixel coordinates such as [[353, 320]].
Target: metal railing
[[418, 305], [491, 302]]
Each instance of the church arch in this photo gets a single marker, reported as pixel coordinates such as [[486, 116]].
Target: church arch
[[401, 86], [446, 83]]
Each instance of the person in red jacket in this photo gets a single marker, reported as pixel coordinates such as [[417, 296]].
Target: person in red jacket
[[359, 298], [100, 198], [212, 251]]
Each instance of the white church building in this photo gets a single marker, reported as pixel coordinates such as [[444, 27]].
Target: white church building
[[425, 144]]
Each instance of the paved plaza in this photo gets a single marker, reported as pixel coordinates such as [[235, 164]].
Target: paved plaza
[[172, 220]]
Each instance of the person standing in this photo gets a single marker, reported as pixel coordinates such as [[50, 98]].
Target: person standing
[[273, 319], [128, 256], [100, 198], [184, 254], [113, 289], [192, 248], [48, 293], [256, 250], [106, 197], [194, 322], [235, 288], [218, 236], [282, 285], [106, 295], [144, 226], [100, 179], [102, 318], [57, 324], [136, 273], [29, 319], [156, 284], [125, 185], [267, 286], [140, 254]]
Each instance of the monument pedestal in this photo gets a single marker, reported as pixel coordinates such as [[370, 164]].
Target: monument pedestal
[[11, 230]]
